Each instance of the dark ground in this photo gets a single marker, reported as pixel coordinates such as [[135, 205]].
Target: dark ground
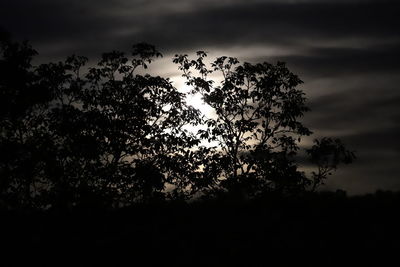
[[328, 229]]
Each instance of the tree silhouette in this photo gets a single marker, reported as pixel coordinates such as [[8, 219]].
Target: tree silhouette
[[22, 105], [257, 127], [327, 154], [108, 135], [116, 134]]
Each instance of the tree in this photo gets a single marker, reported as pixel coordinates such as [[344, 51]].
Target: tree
[[117, 135], [108, 135], [327, 154], [22, 107], [256, 126]]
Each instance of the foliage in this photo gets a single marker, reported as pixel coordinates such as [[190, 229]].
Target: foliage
[[109, 135], [327, 154], [257, 127]]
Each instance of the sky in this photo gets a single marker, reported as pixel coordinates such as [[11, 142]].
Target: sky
[[346, 52]]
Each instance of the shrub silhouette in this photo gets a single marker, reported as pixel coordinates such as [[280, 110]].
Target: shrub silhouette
[[110, 136]]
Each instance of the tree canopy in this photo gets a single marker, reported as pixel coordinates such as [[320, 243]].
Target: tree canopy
[[111, 135]]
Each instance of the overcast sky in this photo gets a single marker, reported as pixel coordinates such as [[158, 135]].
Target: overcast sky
[[346, 52]]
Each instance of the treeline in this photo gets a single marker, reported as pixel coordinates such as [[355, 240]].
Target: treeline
[[108, 136], [326, 228]]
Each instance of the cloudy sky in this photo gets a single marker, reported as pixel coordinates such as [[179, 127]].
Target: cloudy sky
[[346, 52]]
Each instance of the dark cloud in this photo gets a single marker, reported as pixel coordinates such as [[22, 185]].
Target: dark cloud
[[93, 25], [280, 23], [365, 116], [345, 61], [367, 107], [346, 52]]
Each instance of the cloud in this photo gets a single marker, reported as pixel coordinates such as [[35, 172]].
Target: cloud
[[94, 25], [338, 61], [365, 115]]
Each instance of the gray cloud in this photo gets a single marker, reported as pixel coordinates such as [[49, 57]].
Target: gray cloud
[[96, 25], [338, 61], [365, 116]]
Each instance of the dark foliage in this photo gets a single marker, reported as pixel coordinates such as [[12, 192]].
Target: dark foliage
[[111, 136], [319, 229]]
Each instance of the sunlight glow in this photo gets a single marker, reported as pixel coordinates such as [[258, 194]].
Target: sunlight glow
[[195, 100]]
